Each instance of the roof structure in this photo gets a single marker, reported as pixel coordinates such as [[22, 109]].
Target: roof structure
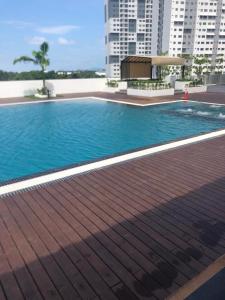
[[155, 60], [134, 67]]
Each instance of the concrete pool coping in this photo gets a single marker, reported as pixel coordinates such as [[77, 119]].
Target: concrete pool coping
[[61, 174], [194, 284], [88, 98]]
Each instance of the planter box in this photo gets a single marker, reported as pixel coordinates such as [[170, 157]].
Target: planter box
[[122, 85], [41, 96], [197, 89], [150, 93], [111, 89], [180, 85]]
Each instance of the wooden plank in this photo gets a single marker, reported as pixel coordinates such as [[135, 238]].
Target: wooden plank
[[23, 277], [39, 273], [109, 252], [69, 246]]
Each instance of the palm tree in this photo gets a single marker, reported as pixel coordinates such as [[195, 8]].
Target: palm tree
[[39, 58]]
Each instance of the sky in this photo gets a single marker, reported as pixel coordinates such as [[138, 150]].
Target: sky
[[73, 28]]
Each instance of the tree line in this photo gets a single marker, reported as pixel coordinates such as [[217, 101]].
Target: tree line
[[38, 75]]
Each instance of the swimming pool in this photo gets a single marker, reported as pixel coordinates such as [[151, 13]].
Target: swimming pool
[[44, 137]]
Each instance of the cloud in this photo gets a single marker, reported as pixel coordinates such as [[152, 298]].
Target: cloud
[[37, 40], [18, 24], [63, 41], [58, 29]]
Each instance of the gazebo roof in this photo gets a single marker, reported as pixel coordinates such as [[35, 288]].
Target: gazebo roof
[[155, 60]]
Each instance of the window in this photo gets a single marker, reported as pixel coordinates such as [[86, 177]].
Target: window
[[114, 37], [132, 25], [141, 9], [113, 59], [132, 48], [140, 37]]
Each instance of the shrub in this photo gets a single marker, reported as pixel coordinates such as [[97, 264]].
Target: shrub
[[112, 83]]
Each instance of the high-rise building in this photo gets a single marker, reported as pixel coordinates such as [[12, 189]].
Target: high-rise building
[[150, 27], [131, 29], [198, 28]]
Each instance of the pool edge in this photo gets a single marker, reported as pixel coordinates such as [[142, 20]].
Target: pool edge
[[88, 98], [58, 175], [194, 284]]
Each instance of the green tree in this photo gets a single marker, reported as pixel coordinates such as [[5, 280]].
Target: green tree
[[39, 58], [201, 63], [219, 63], [37, 75]]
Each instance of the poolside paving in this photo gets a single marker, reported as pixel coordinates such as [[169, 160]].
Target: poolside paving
[[212, 96], [136, 230], [118, 97]]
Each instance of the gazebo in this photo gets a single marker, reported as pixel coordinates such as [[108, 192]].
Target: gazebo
[[134, 67]]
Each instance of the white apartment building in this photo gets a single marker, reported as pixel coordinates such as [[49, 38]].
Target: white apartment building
[[150, 27], [131, 28], [197, 27]]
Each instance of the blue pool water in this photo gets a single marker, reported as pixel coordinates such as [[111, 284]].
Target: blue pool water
[[42, 137], [214, 288]]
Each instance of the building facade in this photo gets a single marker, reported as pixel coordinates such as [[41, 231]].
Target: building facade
[[151, 27], [131, 28], [198, 28]]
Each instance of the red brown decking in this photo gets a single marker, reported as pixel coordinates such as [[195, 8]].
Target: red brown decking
[[136, 230], [118, 97], [207, 97]]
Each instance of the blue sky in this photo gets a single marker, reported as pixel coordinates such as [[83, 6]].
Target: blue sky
[[73, 28]]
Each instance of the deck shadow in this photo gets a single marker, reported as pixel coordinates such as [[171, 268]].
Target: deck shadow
[[61, 241]]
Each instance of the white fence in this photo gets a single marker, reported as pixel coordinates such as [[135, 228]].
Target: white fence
[[10, 89]]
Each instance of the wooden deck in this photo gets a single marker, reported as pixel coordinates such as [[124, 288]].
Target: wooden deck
[[136, 230], [207, 97], [118, 97]]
